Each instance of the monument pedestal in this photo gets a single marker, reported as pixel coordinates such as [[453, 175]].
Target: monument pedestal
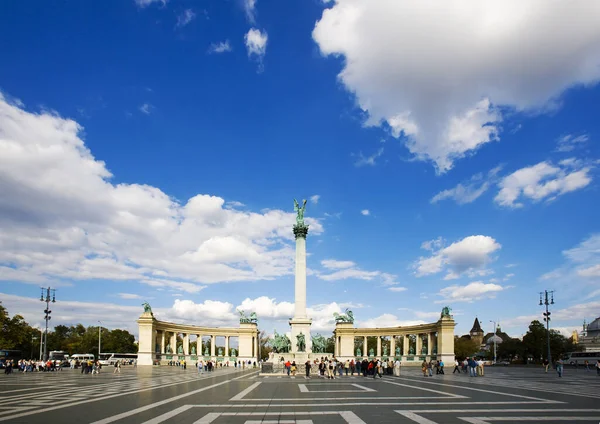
[[301, 325]]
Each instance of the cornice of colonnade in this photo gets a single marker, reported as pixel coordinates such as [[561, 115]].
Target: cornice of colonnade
[[394, 331], [172, 327]]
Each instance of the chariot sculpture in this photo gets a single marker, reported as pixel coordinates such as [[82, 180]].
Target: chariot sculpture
[[347, 317]]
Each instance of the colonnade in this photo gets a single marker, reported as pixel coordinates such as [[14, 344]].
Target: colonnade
[[155, 336], [410, 344], [425, 344]]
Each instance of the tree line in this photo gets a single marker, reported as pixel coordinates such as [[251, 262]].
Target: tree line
[[533, 347], [17, 334]]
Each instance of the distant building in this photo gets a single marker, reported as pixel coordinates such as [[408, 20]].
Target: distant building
[[476, 333], [589, 338]]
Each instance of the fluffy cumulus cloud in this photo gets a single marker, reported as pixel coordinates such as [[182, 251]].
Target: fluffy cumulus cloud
[[476, 290], [315, 199], [441, 68], [543, 181], [270, 312], [469, 255], [388, 320], [90, 228], [256, 44]]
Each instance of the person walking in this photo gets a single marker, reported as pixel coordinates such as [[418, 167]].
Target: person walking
[[307, 365], [117, 367], [397, 368], [456, 367], [559, 367], [424, 368], [546, 364]]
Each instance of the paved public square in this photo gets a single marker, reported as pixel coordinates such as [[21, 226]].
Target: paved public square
[[170, 394]]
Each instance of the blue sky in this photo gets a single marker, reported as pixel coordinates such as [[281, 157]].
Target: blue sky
[[151, 150]]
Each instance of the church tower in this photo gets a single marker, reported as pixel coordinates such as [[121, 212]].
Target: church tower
[[476, 332]]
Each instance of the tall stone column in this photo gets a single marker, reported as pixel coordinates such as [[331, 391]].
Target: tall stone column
[[186, 344], [392, 346], [405, 348], [162, 342], [300, 323], [379, 346], [213, 343], [365, 345], [418, 346], [428, 344], [227, 346], [300, 282], [174, 342]]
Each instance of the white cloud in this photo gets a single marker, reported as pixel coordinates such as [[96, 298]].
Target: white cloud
[[347, 273], [146, 108], [145, 3], [365, 212], [467, 255], [90, 228], [476, 290], [387, 320], [185, 18], [129, 296], [581, 270], [220, 47], [266, 307], [368, 160], [543, 181], [439, 68], [569, 142], [593, 271], [256, 44], [470, 190], [397, 289], [334, 264], [315, 199], [343, 270], [250, 9]]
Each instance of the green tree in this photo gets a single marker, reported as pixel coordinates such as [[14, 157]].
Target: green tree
[[464, 347], [119, 341], [510, 350]]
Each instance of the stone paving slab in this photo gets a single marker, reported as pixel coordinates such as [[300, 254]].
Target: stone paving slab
[[170, 394]]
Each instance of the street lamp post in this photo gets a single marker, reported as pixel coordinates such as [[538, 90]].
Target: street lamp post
[[547, 298], [99, 339], [47, 311], [494, 337]]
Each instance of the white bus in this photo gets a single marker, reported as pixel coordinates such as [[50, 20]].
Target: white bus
[[579, 358], [82, 357], [112, 358]]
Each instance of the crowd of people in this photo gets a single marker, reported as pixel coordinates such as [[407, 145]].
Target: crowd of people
[[332, 367], [29, 365]]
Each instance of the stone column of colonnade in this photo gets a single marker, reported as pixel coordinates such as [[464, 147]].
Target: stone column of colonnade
[[378, 353], [213, 342], [428, 344], [186, 344], [162, 342], [226, 346], [392, 346]]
